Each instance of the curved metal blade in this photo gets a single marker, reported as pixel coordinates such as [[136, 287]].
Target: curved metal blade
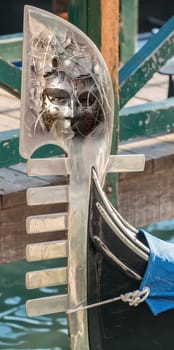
[[66, 88]]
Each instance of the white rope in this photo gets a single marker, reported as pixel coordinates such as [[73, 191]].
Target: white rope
[[136, 297], [132, 298]]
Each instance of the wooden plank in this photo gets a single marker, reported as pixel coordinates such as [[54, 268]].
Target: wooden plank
[[154, 90], [152, 94], [46, 223], [141, 67], [13, 239], [167, 138], [47, 195], [154, 148], [48, 166], [47, 180], [46, 278], [6, 121], [147, 119], [16, 197], [9, 105], [46, 250], [109, 50], [15, 181], [134, 101], [13, 213], [109, 38], [147, 198], [14, 184], [47, 305], [144, 198]]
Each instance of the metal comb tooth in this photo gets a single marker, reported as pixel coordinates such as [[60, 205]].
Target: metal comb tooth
[[47, 195], [47, 223], [46, 278], [46, 250], [47, 305]]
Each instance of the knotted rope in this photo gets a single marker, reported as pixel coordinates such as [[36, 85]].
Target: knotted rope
[[132, 298]]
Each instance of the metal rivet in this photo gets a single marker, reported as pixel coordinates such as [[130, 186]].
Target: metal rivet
[[109, 189]]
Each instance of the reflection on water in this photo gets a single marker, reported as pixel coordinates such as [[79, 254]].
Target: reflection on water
[[17, 331]]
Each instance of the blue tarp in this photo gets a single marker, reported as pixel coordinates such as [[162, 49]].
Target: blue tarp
[[159, 275]]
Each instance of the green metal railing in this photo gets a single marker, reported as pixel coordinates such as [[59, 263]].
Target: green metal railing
[[147, 61]]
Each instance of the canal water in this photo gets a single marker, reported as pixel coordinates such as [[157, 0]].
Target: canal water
[[17, 331]]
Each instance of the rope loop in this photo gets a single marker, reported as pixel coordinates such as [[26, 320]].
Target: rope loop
[[136, 297]]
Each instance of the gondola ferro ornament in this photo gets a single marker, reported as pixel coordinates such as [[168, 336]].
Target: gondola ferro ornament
[[67, 100]]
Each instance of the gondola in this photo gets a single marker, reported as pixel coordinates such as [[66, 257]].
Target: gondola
[[119, 279], [118, 256]]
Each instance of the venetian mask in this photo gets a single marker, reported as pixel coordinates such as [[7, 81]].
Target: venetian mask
[[71, 104], [67, 93]]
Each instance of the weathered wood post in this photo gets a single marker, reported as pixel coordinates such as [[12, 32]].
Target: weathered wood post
[[99, 19]]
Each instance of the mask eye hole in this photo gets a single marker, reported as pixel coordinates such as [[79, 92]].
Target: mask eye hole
[[86, 99], [57, 96]]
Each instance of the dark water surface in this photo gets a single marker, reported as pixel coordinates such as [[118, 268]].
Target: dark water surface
[[17, 331]]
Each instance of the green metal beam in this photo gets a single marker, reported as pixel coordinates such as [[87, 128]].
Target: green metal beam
[[147, 119], [10, 77], [128, 29], [86, 16], [94, 22], [9, 149], [141, 67], [78, 13], [11, 47]]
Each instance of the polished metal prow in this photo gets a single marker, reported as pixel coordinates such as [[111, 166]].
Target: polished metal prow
[[67, 100]]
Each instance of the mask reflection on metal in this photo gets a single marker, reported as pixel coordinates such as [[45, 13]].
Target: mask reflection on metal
[[71, 105], [66, 90]]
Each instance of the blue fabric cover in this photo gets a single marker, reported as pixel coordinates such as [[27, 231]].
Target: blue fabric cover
[[159, 275]]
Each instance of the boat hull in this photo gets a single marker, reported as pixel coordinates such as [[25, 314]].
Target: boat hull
[[116, 325]]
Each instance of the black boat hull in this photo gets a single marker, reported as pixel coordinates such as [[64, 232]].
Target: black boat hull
[[118, 326]]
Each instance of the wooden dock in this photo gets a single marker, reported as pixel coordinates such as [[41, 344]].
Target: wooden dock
[[143, 198], [9, 111], [155, 90], [148, 197]]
